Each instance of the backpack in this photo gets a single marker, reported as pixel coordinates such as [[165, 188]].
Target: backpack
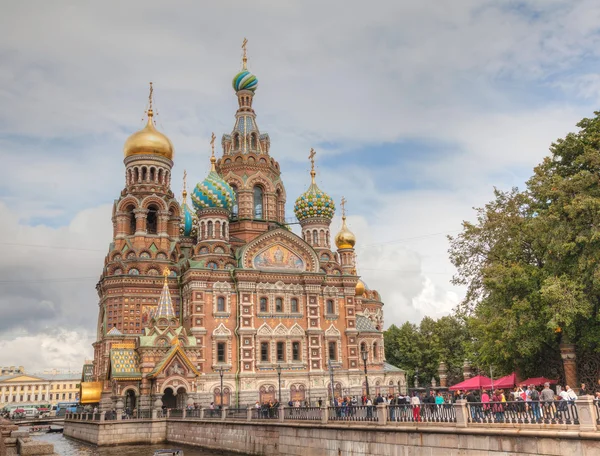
[[535, 396]]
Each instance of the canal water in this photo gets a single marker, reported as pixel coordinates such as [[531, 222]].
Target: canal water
[[68, 447]]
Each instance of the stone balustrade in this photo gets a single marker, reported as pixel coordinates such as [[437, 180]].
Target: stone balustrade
[[14, 442], [583, 414]]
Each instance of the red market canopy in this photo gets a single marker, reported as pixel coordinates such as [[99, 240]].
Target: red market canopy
[[472, 384], [508, 381], [537, 381]]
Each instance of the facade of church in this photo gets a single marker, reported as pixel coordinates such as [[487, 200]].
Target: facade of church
[[223, 287]]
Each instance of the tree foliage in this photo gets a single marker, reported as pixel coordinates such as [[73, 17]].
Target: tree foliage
[[530, 261], [423, 347]]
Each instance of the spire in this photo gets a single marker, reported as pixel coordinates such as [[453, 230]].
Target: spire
[[213, 160], [165, 304]]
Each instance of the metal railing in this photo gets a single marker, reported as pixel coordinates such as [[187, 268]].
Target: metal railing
[[265, 413], [353, 413], [193, 413], [237, 413], [427, 413], [212, 414], [176, 413], [302, 413], [523, 412]]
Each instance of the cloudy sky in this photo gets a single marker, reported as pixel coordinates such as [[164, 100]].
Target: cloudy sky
[[417, 109]]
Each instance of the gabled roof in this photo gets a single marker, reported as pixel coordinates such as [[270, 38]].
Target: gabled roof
[[175, 350], [364, 324], [387, 367], [114, 332], [21, 378]]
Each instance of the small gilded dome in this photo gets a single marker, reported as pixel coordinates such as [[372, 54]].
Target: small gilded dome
[[148, 141], [314, 203], [244, 80], [360, 288], [213, 192], [345, 239]]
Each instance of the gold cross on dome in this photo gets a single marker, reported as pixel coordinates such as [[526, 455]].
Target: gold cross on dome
[[244, 58], [212, 143], [150, 96], [343, 204], [184, 180], [311, 157]]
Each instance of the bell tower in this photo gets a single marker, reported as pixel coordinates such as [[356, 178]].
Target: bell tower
[[248, 168]]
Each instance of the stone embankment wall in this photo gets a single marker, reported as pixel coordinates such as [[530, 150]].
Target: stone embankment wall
[[314, 439], [355, 440], [117, 432], [14, 442]]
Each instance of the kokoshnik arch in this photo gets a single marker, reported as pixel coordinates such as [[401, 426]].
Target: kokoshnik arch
[[224, 284]]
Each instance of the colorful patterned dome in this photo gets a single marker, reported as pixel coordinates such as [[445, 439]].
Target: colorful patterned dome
[[244, 80], [314, 203], [213, 192]]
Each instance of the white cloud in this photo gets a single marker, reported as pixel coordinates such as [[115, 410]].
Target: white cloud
[[482, 82]]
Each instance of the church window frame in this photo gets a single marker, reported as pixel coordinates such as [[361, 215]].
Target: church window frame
[[279, 305], [264, 305], [332, 350], [258, 202], [315, 237], [296, 350], [152, 219], [236, 208], [221, 304], [295, 307], [221, 352], [330, 307], [264, 352], [280, 347], [209, 230]]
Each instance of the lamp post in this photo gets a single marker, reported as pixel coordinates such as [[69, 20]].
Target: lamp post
[[279, 376], [331, 380], [220, 370], [365, 355]]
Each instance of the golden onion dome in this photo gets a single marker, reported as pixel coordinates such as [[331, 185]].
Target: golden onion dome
[[345, 239], [148, 141], [360, 288]]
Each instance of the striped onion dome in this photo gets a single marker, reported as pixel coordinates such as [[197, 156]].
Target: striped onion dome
[[244, 80], [213, 192]]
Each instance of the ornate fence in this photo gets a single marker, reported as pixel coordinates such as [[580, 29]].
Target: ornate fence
[[522, 412], [532, 415], [353, 413]]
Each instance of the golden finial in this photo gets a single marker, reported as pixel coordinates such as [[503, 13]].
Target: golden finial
[[184, 193], [213, 160], [244, 58], [166, 274], [311, 157], [343, 204]]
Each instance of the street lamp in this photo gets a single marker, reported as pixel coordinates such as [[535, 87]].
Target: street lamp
[[331, 379], [279, 376], [365, 355], [220, 370]]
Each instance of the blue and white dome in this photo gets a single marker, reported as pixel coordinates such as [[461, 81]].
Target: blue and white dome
[[213, 192], [244, 80], [187, 224]]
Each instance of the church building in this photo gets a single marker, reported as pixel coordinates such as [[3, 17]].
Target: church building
[[222, 292]]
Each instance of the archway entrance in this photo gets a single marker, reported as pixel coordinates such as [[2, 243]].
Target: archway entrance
[[298, 393], [181, 398], [169, 399], [130, 400], [267, 394]]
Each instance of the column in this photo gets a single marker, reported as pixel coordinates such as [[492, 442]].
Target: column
[[567, 353], [443, 374], [140, 221]]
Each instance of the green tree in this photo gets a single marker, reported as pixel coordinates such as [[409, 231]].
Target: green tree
[[530, 261]]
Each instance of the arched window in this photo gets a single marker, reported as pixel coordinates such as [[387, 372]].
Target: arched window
[[375, 354], [144, 173], [258, 202], [236, 141], [315, 237], [278, 305], [152, 219], [224, 229], [131, 219], [210, 230], [152, 174], [263, 305], [253, 141], [363, 347], [330, 307], [220, 304], [235, 209], [294, 305]]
